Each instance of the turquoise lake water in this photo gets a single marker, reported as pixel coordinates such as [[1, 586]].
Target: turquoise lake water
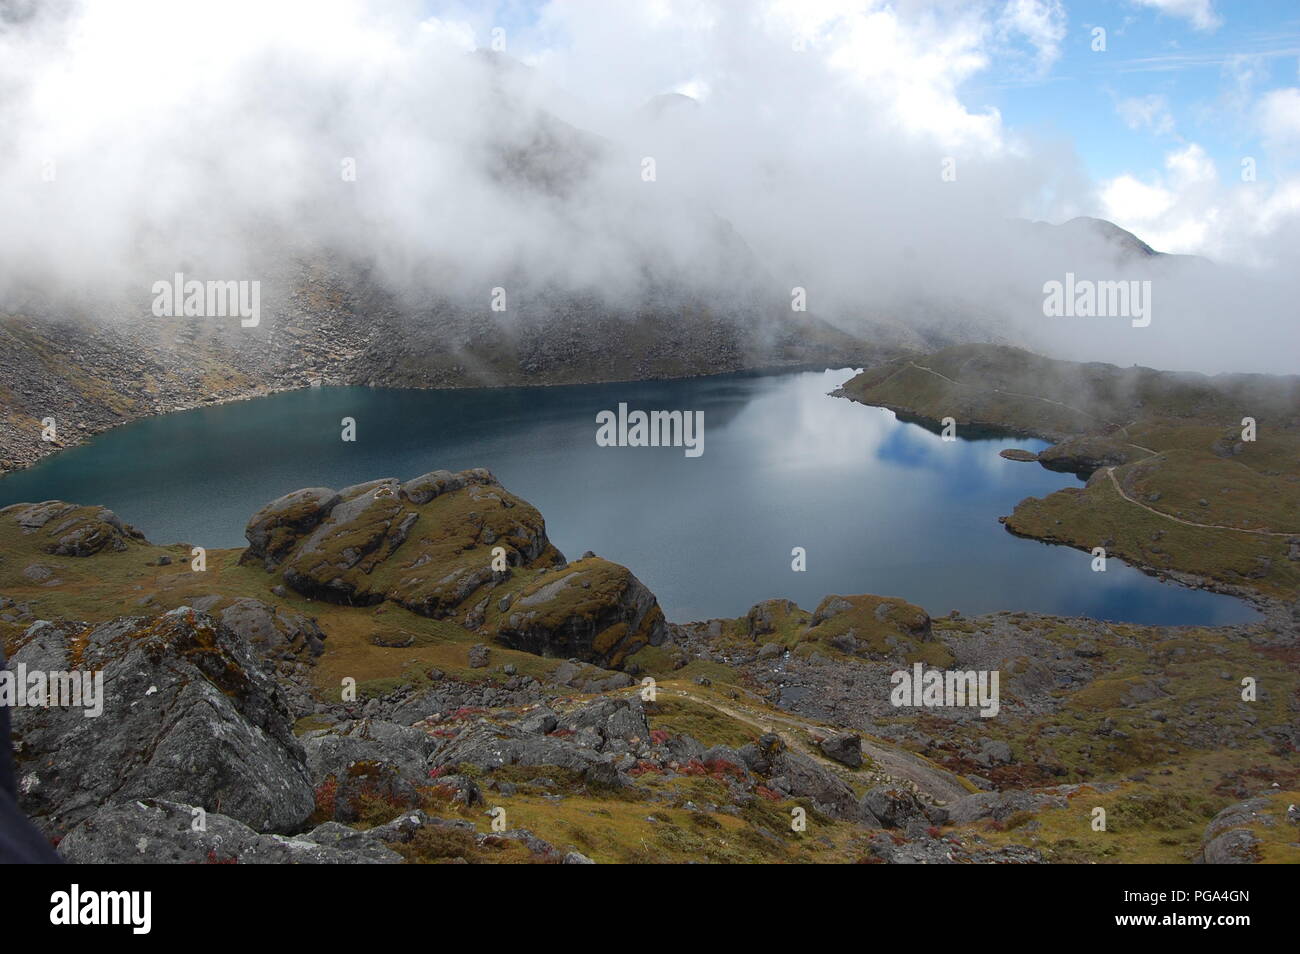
[[879, 506]]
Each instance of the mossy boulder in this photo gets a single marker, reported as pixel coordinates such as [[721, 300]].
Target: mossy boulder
[[592, 610], [279, 526], [428, 545], [879, 625], [769, 616], [70, 530], [425, 544]]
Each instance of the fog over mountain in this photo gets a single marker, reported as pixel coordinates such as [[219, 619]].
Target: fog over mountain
[[219, 140]]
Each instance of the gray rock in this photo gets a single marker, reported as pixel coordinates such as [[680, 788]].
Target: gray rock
[[189, 714], [540, 720], [489, 746], [993, 752], [158, 831], [1227, 840], [845, 748], [896, 807], [998, 806]]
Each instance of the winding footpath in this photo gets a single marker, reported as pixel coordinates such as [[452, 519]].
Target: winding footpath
[[938, 783], [1110, 472]]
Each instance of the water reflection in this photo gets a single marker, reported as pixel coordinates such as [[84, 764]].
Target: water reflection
[[880, 506]]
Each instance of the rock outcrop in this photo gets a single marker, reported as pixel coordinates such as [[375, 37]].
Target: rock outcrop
[[592, 610], [188, 714], [447, 545], [344, 546], [70, 530]]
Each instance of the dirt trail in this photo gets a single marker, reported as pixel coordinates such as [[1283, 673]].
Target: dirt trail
[[1110, 472], [939, 784]]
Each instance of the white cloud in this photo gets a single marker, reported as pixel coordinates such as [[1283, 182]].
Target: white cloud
[[1190, 209], [1125, 199], [1200, 13], [1190, 166], [1041, 22], [1279, 118], [1147, 112]]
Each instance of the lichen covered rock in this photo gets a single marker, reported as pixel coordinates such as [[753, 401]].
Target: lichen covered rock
[[189, 713], [425, 544], [69, 530], [591, 610]]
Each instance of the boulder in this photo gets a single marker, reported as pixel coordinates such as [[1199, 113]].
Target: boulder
[[1228, 839], [276, 529], [366, 760], [425, 544], [189, 715], [998, 806], [845, 748], [66, 529], [489, 746], [591, 610], [764, 618], [159, 831], [896, 807]]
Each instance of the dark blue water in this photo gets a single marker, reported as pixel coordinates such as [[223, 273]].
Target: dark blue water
[[880, 506]]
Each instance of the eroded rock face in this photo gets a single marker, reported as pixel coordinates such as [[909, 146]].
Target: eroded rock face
[[189, 714], [592, 610], [287, 642], [70, 530]]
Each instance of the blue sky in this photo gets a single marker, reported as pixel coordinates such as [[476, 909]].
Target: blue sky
[[1197, 84]]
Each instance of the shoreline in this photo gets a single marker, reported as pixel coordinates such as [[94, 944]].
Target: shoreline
[[50, 449], [1273, 610]]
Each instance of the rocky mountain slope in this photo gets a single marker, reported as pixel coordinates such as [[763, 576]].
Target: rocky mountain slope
[[92, 371]]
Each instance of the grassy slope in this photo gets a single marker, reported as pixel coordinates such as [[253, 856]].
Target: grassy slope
[[1168, 426]]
